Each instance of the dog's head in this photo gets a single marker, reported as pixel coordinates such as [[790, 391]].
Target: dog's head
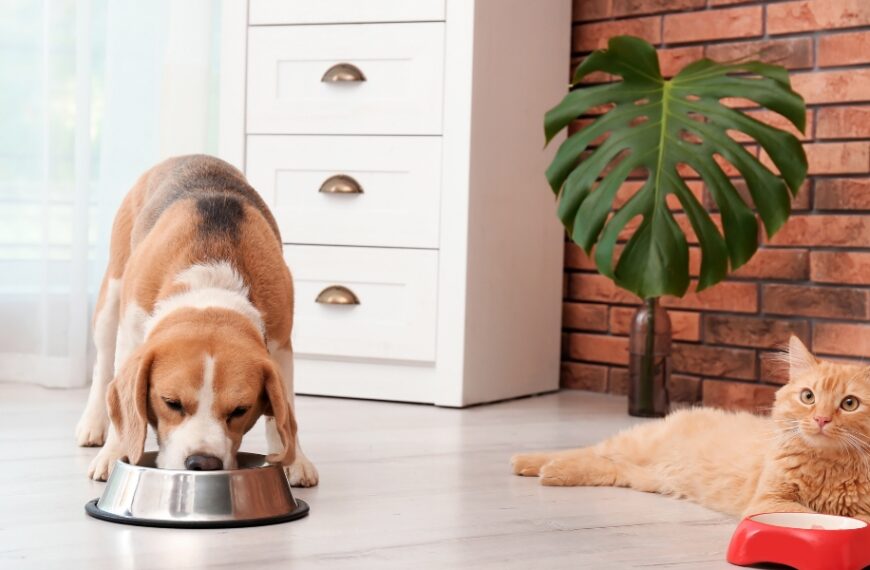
[[202, 381]]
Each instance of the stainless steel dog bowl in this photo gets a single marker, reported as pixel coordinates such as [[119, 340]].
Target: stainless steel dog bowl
[[256, 493]]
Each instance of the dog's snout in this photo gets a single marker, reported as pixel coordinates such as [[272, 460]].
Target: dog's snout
[[203, 463]]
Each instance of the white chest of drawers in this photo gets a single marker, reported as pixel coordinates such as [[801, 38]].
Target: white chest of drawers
[[399, 145]]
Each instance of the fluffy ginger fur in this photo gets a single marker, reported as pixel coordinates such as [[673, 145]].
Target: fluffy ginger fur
[[739, 463]]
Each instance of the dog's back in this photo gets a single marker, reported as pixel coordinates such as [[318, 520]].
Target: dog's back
[[219, 190]]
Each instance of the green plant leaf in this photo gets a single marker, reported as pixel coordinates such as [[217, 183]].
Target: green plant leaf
[[657, 125]]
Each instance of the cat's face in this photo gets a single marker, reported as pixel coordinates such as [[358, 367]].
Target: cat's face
[[826, 404]]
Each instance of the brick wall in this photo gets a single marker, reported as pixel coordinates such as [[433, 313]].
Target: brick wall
[[812, 278]]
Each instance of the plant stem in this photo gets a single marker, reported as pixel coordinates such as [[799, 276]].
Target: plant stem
[[649, 358]]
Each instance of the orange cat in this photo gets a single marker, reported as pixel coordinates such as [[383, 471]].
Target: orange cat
[[811, 455]]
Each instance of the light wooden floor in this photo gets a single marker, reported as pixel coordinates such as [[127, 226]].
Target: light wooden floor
[[402, 486]]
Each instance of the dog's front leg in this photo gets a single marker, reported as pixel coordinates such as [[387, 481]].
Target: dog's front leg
[[101, 466], [301, 473], [91, 429]]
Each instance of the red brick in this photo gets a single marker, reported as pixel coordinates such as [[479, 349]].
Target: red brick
[[598, 288], [579, 376], [844, 49], [814, 301], [802, 200], [799, 202], [685, 325], [726, 296], [713, 361], [833, 158], [684, 388], [752, 332], [841, 338], [713, 25], [588, 37], [850, 267], [843, 122], [738, 103], [584, 316], [598, 348], [620, 319], [833, 86], [694, 261], [824, 230], [791, 53], [592, 10], [617, 381], [730, 2], [756, 398], [812, 15], [638, 7], [672, 60], [774, 120], [576, 258], [777, 264], [842, 194], [838, 158], [774, 367]]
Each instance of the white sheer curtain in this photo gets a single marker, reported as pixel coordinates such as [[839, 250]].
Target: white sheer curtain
[[92, 92]]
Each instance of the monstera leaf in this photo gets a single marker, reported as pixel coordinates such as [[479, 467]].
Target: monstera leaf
[[656, 125]]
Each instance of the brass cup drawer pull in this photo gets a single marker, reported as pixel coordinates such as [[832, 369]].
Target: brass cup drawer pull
[[337, 295], [343, 73], [341, 184]]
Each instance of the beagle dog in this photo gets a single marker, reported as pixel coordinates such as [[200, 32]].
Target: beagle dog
[[192, 326]]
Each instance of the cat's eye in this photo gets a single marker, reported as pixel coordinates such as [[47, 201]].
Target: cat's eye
[[850, 403], [807, 396], [174, 405]]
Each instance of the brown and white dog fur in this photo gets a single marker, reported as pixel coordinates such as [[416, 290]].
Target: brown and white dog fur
[[192, 326]]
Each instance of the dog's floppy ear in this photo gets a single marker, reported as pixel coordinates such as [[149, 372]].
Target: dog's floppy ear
[[279, 408], [127, 400]]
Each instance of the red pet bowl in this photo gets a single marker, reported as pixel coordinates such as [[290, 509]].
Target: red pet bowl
[[801, 540]]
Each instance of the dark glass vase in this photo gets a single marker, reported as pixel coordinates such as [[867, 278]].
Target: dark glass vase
[[649, 368]]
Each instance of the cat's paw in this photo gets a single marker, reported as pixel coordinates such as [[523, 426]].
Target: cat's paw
[[529, 464], [559, 473]]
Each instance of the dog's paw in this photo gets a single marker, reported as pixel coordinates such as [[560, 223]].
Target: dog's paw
[[91, 429], [529, 464], [103, 464], [302, 473]]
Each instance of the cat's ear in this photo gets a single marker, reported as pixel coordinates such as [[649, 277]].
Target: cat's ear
[[800, 359]]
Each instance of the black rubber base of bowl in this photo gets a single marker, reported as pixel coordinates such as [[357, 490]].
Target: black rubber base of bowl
[[93, 510]]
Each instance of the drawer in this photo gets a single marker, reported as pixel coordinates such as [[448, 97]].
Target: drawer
[[343, 11], [396, 311], [402, 92], [301, 178]]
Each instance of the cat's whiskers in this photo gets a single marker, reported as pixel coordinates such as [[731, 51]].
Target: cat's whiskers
[[856, 443], [784, 431]]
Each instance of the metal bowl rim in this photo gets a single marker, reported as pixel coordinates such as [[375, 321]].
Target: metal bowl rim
[[123, 463], [93, 510]]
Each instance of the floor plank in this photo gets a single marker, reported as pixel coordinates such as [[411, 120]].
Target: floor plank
[[402, 486]]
